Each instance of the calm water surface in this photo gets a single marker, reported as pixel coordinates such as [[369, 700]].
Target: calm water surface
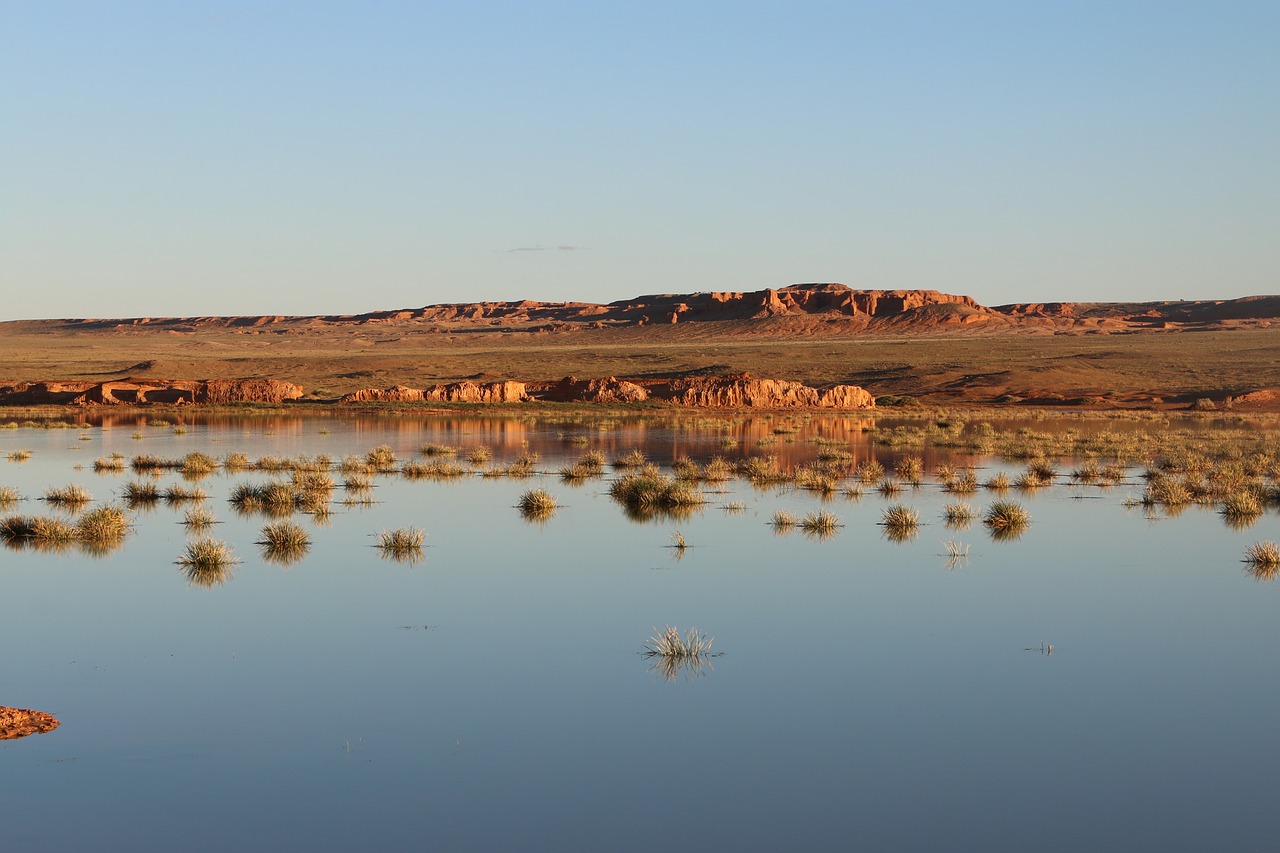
[[492, 696]]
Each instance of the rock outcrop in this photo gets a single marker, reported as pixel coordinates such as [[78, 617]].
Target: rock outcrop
[[607, 390], [719, 392], [477, 392], [247, 391], [395, 394], [128, 392]]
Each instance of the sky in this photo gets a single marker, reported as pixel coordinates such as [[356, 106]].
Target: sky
[[198, 158]]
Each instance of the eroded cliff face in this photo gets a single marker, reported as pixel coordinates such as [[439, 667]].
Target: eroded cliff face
[[128, 391], [737, 392], [766, 394]]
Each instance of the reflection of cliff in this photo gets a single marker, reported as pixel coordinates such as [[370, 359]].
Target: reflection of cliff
[[20, 722]]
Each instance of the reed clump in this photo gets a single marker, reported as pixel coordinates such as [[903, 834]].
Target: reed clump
[[8, 496], [959, 514], [631, 459], [1263, 559], [437, 469], [284, 542], [1006, 519], [401, 544], [207, 562], [820, 523], [112, 464], [198, 518], [900, 522], [537, 504], [669, 643], [647, 492], [102, 525], [782, 520], [382, 458], [138, 493], [437, 450], [68, 496]]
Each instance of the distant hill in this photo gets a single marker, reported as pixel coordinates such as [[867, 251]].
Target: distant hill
[[799, 308]]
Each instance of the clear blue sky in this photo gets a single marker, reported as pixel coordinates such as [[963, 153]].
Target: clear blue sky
[[170, 158]]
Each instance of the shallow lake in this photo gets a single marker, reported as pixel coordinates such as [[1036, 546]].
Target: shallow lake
[[869, 694]]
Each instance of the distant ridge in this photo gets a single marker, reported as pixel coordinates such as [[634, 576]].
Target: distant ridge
[[815, 308]]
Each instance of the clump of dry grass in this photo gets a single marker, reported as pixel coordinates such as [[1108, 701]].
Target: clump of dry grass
[[401, 544], [669, 643], [67, 496], [37, 530], [207, 562], [900, 522], [235, 461], [196, 464], [1006, 519], [998, 483], [1263, 560], [631, 459], [198, 518], [140, 494], [112, 464], [19, 455], [959, 514], [437, 450], [782, 520], [357, 483], [964, 483], [651, 493], [8, 496], [537, 504], [820, 523], [438, 469], [869, 472], [284, 542], [478, 455], [102, 525], [900, 516], [909, 469], [176, 494], [381, 458]]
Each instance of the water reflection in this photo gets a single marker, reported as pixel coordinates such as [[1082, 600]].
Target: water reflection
[[670, 669], [21, 722]]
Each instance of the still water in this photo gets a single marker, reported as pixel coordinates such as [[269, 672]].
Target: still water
[[871, 694]]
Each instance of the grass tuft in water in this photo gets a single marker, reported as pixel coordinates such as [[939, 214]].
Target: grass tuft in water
[[668, 643], [1006, 519], [207, 562], [102, 525], [401, 544], [1263, 560], [68, 496], [820, 523], [537, 504]]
